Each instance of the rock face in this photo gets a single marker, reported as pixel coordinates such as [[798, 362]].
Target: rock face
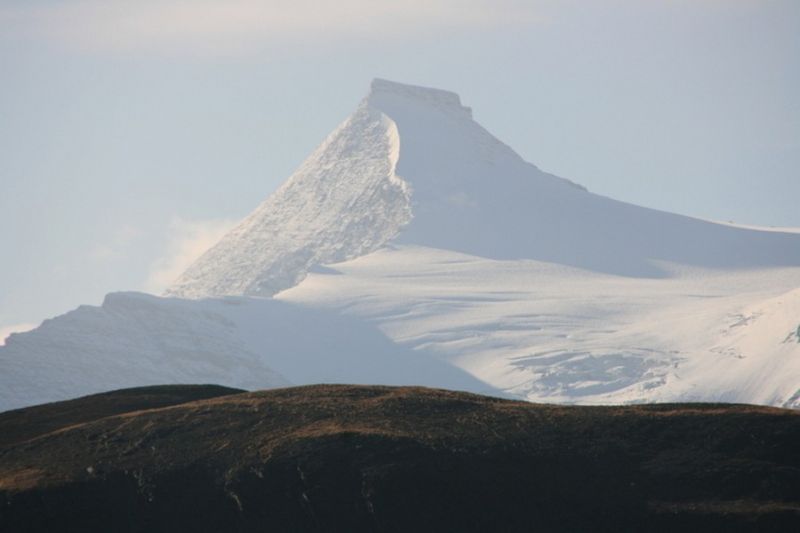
[[346, 458]]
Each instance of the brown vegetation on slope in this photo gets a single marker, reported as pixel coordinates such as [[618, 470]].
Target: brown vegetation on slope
[[355, 458]]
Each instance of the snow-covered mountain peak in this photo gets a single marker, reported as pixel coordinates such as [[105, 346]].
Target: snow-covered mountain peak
[[443, 251], [388, 95], [410, 166], [344, 201], [351, 196]]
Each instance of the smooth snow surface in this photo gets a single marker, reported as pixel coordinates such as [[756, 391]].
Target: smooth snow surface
[[547, 332], [414, 247]]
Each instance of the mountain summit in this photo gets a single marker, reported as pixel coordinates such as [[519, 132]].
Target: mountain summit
[[411, 166], [344, 201], [412, 247]]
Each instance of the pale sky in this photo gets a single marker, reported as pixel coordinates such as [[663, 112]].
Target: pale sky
[[134, 133]]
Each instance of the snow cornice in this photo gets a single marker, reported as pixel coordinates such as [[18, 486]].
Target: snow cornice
[[382, 90]]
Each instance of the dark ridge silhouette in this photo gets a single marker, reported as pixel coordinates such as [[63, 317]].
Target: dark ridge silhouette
[[368, 458], [20, 425]]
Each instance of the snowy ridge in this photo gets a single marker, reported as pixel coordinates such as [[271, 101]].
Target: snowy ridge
[[131, 340], [444, 101], [411, 166], [413, 247], [347, 198], [136, 339], [344, 201]]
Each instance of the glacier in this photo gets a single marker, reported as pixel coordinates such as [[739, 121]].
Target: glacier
[[433, 254]]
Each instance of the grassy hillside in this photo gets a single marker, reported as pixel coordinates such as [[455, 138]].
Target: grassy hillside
[[368, 458]]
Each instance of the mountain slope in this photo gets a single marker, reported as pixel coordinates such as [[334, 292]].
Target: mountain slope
[[413, 247], [21, 425], [131, 340], [344, 201], [411, 166], [137, 339], [547, 332], [343, 458]]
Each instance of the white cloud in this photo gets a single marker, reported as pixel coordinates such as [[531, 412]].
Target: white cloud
[[188, 240], [234, 26], [5, 331]]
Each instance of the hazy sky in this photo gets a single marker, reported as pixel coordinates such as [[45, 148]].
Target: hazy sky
[[133, 133]]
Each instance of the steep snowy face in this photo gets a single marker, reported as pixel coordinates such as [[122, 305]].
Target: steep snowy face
[[344, 201], [349, 198], [411, 166]]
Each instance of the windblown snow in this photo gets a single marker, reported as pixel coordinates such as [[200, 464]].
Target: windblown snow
[[414, 247]]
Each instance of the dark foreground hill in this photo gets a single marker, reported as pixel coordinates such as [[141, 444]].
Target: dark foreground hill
[[23, 424], [348, 458]]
